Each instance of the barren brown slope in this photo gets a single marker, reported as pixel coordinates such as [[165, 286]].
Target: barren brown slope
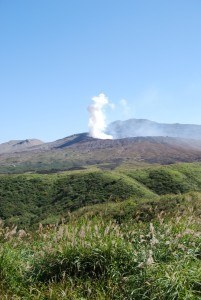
[[81, 151], [149, 149]]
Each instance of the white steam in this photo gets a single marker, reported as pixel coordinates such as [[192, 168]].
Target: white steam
[[126, 110], [97, 119]]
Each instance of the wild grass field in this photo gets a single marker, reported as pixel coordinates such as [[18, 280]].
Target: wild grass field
[[121, 250], [91, 234]]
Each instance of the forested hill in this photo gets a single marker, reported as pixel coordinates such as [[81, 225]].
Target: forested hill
[[29, 199]]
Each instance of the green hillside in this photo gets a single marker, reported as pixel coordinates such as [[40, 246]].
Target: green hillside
[[29, 199], [130, 234], [172, 179], [26, 200], [149, 250]]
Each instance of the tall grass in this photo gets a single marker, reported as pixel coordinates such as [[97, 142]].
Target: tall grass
[[94, 257]]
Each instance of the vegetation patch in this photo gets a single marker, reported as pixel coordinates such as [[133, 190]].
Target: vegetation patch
[[92, 257], [101, 235], [26, 200], [173, 179]]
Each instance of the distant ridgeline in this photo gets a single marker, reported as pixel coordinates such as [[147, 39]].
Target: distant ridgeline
[[136, 142], [143, 127]]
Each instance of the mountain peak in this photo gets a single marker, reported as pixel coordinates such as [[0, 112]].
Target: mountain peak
[[144, 127]]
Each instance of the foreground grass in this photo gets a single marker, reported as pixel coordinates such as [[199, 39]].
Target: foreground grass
[[126, 251]]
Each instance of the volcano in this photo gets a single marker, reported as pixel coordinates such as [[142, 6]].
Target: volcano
[[143, 127], [178, 143]]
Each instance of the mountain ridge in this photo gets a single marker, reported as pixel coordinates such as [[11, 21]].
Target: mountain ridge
[[81, 151], [18, 145], [145, 127]]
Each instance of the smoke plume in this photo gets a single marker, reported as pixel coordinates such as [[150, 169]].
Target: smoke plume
[[126, 110], [97, 119]]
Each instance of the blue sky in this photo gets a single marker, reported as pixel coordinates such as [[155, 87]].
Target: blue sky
[[56, 55]]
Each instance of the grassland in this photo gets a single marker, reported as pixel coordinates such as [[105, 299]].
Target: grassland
[[149, 250], [133, 233]]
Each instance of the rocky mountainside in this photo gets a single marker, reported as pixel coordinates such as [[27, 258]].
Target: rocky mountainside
[[135, 142], [80, 150], [149, 149], [143, 127]]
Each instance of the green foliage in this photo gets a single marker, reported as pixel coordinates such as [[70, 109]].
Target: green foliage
[[29, 199], [26, 200], [92, 257], [142, 210], [112, 236], [167, 182], [174, 179]]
